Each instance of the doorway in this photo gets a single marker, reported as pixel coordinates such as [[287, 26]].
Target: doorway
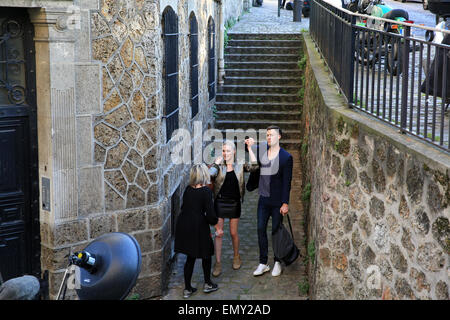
[[19, 176]]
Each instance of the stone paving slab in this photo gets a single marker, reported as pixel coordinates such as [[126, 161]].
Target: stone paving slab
[[241, 284], [265, 19]]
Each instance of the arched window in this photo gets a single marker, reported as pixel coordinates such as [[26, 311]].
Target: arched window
[[170, 71], [193, 42], [211, 59]]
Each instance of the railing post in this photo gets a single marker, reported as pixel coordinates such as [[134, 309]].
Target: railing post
[[405, 78], [352, 63]]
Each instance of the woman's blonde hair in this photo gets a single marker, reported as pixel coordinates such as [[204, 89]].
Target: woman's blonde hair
[[199, 175], [230, 144]]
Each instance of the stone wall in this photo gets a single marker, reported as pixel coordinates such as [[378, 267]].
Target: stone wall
[[234, 8], [121, 177], [379, 210]]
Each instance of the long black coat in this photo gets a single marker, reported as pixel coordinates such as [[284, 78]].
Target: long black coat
[[192, 233]]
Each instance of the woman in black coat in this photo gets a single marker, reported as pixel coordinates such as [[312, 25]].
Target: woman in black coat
[[193, 235]]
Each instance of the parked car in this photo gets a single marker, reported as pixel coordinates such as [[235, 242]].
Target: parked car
[[305, 8]]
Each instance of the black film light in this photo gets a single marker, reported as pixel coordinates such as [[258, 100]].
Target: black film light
[[108, 268]]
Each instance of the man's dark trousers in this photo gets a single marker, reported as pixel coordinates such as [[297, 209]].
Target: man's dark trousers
[[265, 211], [280, 187]]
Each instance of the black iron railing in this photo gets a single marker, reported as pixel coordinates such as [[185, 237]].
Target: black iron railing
[[387, 72]]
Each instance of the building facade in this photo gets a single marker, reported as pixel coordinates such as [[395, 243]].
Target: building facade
[[90, 92]]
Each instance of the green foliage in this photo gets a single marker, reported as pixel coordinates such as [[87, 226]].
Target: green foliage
[[430, 136], [340, 125], [225, 39], [311, 251], [135, 296], [301, 93], [302, 62], [306, 192], [304, 148], [214, 110], [303, 287], [228, 25]]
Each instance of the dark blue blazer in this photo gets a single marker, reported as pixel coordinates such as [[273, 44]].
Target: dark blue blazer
[[280, 183]]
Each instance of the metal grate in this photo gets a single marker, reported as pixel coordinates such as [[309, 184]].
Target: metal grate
[[193, 39], [170, 35], [211, 59]]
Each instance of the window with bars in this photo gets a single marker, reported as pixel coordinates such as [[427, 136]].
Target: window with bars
[[211, 59], [193, 42], [170, 70]]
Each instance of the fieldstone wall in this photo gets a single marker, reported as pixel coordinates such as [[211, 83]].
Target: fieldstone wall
[[123, 178], [235, 8], [379, 209]]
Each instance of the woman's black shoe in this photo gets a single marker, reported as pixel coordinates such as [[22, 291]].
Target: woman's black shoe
[[189, 292], [210, 287]]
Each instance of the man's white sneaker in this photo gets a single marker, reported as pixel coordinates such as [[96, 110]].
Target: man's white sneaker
[[276, 269], [262, 268]]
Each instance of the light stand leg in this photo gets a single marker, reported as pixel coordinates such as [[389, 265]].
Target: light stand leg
[[62, 283]]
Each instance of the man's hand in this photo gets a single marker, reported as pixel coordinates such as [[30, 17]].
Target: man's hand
[[284, 209]]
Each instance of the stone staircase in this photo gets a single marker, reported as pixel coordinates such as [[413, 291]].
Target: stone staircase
[[262, 81]]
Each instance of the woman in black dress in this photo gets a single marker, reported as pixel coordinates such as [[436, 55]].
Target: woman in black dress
[[193, 234], [229, 189]]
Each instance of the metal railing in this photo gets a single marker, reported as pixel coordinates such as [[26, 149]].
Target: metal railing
[[387, 72]]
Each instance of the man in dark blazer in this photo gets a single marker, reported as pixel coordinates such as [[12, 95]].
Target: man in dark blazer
[[274, 185]]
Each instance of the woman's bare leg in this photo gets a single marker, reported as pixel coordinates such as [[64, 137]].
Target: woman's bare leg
[[218, 242], [234, 235]]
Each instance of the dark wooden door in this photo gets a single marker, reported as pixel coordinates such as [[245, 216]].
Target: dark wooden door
[[19, 193]]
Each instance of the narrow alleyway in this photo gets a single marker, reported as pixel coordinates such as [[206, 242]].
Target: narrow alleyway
[[241, 284]]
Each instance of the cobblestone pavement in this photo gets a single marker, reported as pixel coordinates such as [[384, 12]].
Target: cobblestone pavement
[[241, 284], [265, 19]]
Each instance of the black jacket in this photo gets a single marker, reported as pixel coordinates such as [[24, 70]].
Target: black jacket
[[280, 183], [192, 233]]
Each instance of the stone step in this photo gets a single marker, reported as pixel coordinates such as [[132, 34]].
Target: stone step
[[261, 65], [251, 97], [261, 80], [257, 124], [288, 89], [257, 106], [263, 73], [261, 57], [264, 36], [261, 43], [261, 50], [254, 115], [288, 134]]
